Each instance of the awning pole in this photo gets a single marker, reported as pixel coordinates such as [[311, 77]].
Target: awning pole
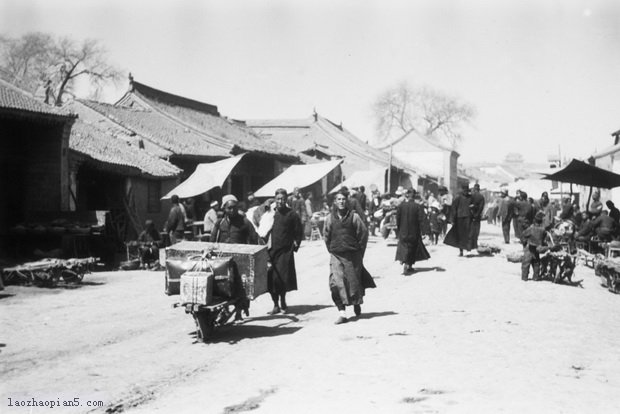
[[588, 203]]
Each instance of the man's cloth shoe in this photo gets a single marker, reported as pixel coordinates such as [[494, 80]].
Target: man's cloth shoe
[[340, 320], [274, 311]]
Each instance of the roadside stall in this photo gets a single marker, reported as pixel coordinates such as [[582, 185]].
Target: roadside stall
[[582, 173]]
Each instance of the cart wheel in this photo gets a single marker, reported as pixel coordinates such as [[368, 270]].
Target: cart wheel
[[70, 276], [205, 324]]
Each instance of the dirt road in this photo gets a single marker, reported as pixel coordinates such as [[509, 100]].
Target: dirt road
[[461, 335]]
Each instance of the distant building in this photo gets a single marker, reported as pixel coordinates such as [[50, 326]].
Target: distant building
[[435, 159], [608, 159], [319, 137]]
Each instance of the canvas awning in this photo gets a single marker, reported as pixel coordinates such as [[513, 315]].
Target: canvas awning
[[579, 172], [297, 176], [366, 178], [206, 177]]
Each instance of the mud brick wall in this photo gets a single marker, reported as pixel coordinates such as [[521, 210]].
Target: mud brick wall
[[42, 172]]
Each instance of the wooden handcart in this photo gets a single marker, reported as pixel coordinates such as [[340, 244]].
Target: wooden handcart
[[249, 262], [48, 272]]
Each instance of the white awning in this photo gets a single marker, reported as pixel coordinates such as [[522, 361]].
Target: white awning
[[206, 177], [366, 178], [297, 176]]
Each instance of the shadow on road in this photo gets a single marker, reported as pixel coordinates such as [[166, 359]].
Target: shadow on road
[[303, 309], [6, 295], [371, 315], [426, 269], [232, 334]]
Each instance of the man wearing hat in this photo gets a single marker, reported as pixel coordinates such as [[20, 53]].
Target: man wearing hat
[[459, 234], [210, 217], [233, 227], [533, 240], [525, 212], [505, 213], [445, 199]]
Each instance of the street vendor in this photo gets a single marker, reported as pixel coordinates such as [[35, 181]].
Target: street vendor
[[596, 206], [149, 240], [233, 227], [534, 243], [285, 235], [605, 227]]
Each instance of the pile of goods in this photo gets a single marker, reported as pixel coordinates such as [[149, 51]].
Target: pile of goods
[[558, 266], [48, 272], [485, 249], [515, 257], [55, 227], [609, 272]]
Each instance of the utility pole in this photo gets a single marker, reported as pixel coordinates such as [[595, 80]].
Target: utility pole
[[389, 172]]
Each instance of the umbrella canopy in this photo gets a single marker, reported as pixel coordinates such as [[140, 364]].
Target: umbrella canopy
[[579, 172]]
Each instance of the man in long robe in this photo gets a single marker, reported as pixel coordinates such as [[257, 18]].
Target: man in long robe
[[409, 220], [346, 237], [477, 203], [286, 235], [459, 234]]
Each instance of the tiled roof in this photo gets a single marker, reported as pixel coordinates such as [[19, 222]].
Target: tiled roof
[[102, 122], [12, 98], [166, 98], [304, 134], [204, 122], [163, 131], [100, 145]]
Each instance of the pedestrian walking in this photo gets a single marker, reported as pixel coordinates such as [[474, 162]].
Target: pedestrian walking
[[477, 207], [459, 234], [346, 237], [410, 217], [285, 237]]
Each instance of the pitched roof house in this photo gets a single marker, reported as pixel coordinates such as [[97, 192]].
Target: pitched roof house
[[320, 137], [34, 142]]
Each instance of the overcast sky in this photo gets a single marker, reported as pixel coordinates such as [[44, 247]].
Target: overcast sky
[[544, 76]]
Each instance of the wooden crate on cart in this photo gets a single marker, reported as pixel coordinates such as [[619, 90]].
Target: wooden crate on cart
[[250, 260]]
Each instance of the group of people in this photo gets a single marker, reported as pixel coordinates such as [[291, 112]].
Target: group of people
[[281, 223], [278, 223]]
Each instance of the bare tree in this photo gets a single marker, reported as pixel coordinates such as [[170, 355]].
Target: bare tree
[[37, 59], [403, 109]]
